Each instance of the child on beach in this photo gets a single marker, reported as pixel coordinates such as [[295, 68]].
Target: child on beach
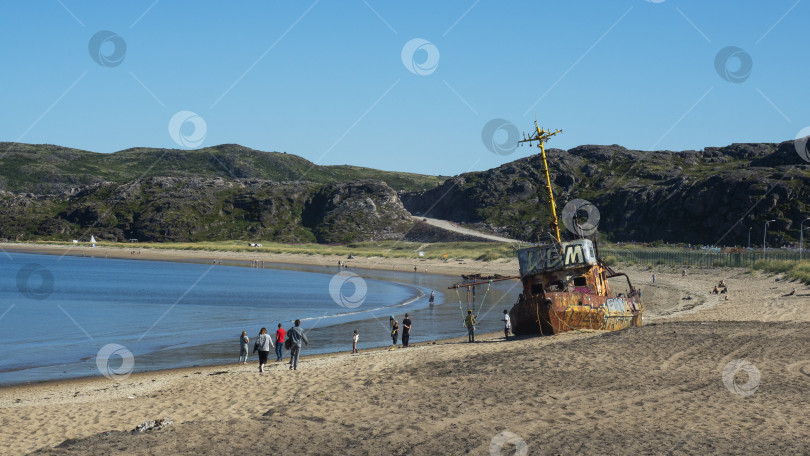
[[243, 347], [354, 342], [394, 330]]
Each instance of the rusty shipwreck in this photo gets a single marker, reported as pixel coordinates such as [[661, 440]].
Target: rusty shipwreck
[[565, 283]]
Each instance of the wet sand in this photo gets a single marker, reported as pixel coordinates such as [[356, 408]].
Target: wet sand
[[659, 389]]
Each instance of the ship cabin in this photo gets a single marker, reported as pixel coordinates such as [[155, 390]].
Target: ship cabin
[[568, 267]]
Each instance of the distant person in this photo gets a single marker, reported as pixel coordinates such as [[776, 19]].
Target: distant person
[[243, 347], [280, 333], [683, 272], [469, 323], [507, 324], [432, 297], [406, 331], [354, 342], [653, 278], [394, 330], [296, 336], [263, 345]]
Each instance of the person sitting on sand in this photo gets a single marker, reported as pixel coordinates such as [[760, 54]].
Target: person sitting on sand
[[469, 323], [243, 347], [296, 335], [263, 345], [715, 291]]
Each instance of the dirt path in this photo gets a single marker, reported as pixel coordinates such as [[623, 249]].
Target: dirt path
[[450, 226]]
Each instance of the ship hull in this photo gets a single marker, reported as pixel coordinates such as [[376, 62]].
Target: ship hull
[[554, 313]]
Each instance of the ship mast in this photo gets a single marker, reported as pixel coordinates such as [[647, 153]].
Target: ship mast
[[541, 136]]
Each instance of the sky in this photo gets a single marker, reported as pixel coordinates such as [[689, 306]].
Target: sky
[[433, 87]]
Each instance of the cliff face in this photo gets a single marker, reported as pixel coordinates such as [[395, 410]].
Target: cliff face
[[197, 209], [710, 196]]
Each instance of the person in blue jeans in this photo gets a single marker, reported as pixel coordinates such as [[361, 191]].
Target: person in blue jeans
[[296, 335], [280, 333]]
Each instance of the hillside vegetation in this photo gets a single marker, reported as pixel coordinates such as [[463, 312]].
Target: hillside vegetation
[[229, 192]]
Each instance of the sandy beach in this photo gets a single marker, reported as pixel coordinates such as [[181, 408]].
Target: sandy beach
[[452, 266], [703, 375]]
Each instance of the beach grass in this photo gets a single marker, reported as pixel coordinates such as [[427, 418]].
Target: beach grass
[[793, 270]]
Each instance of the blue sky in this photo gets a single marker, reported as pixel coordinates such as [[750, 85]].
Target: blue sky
[[327, 80]]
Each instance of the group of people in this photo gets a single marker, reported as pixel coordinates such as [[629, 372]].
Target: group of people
[[720, 288], [290, 339], [406, 330], [294, 337]]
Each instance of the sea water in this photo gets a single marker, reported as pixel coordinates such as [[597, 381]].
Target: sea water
[[58, 313]]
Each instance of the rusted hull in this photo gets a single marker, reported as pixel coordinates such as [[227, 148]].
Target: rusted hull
[[554, 313]]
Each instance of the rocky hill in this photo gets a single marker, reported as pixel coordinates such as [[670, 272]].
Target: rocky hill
[[705, 197], [711, 196]]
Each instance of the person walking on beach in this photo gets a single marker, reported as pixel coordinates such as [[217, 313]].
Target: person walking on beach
[[280, 333], [354, 342], [263, 345], [243, 347], [469, 322], [394, 331], [406, 331], [296, 335], [653, 277], [507, 324]]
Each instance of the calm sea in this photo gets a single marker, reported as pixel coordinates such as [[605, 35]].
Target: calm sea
[[60, 315]]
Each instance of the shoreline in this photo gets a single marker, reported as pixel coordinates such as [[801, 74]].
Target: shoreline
[[451, 267], [240, 259], [675, 363], [244, 259]]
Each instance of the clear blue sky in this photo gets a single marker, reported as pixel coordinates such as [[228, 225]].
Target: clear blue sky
[[326, 80]]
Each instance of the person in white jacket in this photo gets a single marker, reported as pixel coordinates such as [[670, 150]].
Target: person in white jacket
[[263, 345]]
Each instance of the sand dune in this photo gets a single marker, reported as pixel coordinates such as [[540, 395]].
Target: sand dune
[[655, 389]]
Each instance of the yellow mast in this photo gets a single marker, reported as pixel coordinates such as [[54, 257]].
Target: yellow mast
[[541, 136]]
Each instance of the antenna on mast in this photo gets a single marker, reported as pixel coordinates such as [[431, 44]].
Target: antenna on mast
[[541, 136]]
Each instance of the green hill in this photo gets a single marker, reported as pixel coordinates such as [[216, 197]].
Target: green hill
[[49, 169]]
